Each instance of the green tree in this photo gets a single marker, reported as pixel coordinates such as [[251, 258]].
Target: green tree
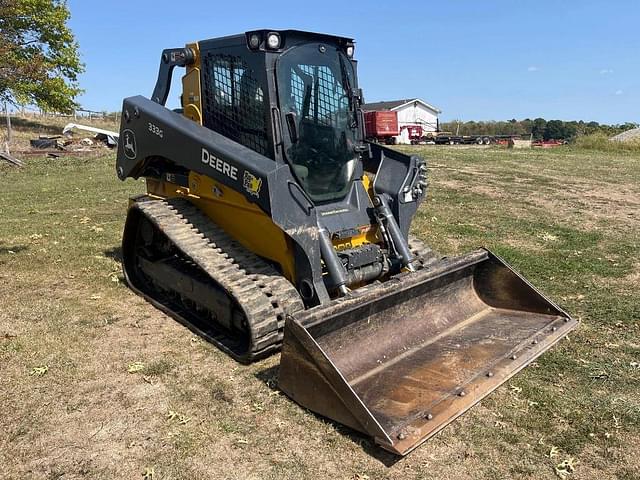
[[538, 127], [554, 130], [40, 63], [571, 129]]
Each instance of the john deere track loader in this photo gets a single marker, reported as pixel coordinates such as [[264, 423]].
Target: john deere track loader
[[269, 222]]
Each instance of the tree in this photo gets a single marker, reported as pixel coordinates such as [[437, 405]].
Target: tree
[[40, 63], [537, 129], [571, 129], [554, 130], [540, 128], [526, 125]]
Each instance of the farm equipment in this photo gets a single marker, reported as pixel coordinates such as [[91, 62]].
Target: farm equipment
[[549, 143], [414, 133], [269, 221], [381, 126], [447, 138]]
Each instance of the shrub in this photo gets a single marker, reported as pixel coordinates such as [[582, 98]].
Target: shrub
[[600, 141]]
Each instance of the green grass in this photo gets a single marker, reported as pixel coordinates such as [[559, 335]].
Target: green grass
[[601, 142], [567, 218]]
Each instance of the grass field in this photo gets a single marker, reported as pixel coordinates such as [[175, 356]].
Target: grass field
[[96, 383]]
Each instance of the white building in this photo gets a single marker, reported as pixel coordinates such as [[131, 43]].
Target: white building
[[412, 112]]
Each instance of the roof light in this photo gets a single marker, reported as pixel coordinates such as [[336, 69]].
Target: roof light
[[350, 50], [273, 41], [254, 40]]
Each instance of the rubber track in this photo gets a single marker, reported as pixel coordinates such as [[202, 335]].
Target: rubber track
[[425, 256], [264, 296]]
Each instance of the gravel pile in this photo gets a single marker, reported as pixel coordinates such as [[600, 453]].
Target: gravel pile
[[629, 135]]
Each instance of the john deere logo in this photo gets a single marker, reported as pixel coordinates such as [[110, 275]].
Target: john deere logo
[[130, 147], [252, 184]]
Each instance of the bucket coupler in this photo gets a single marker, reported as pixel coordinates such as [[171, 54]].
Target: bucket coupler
[[401, 360]]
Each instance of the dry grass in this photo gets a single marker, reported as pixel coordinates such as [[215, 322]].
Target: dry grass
[[64, 306], [30, 127], [601, 142]]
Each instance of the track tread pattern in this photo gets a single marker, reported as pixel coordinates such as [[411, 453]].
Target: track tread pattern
[[425, 256], [263, 294]]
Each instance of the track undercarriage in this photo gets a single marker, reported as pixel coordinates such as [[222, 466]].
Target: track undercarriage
[[184, 264]]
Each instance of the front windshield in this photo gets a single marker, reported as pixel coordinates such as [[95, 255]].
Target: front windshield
[[315, 84]]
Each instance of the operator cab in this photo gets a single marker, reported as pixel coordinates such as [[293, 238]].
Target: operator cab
[[290, 96], [314, 86]]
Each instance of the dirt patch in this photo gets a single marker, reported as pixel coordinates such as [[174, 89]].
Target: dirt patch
[[486, 190], [588, 203]]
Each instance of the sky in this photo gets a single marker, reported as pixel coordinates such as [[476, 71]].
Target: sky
[[475, 60]]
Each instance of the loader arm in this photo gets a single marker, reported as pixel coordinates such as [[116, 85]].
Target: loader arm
[[209, 154]]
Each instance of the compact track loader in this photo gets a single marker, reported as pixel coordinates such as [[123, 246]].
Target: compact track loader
[[269, 222]]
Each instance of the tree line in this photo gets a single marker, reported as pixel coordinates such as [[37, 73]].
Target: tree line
[[539, 128]]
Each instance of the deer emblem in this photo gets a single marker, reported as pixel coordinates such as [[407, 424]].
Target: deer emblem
[[129, 144]]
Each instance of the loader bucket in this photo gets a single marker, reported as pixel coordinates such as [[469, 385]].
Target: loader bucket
[[400, 360]]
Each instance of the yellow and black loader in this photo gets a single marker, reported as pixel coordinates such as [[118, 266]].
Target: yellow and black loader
[[269, 222]]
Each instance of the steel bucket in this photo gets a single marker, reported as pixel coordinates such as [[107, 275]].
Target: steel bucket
[[400, 360]]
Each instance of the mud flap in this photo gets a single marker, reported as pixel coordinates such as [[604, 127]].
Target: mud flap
[[400, 360]]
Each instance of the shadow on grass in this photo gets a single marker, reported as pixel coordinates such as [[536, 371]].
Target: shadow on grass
[[114, 253], [12, 249], [270, 377]]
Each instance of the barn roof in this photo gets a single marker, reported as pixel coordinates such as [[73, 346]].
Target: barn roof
[[397, 104]]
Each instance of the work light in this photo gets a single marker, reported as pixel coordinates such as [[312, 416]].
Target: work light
[[254, 40], [273, 41]]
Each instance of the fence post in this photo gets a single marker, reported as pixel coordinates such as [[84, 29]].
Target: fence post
[[6, 111]]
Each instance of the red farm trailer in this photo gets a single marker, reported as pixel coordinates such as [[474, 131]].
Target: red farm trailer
[[381, 126]]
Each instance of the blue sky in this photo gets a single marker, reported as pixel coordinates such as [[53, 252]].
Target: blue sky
[[489, 60]]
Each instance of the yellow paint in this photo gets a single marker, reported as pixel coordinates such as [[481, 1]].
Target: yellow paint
[[368, 234], [368, 184], [191, 88], [242, 220], [246, 222], [252, 184]]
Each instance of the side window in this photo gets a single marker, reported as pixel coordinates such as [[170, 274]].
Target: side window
[[234, 103]]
